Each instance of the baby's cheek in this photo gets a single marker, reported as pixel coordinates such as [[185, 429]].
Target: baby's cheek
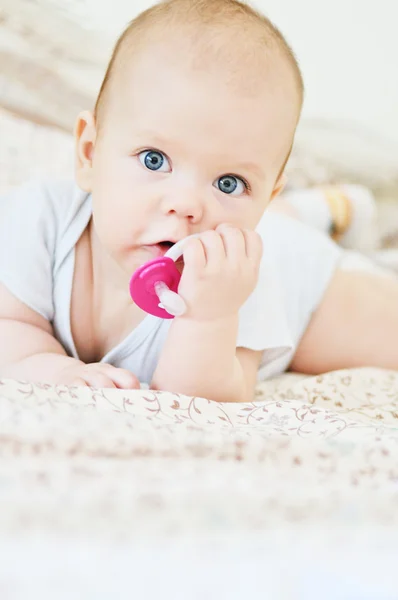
[[106, 220], [255, 215]]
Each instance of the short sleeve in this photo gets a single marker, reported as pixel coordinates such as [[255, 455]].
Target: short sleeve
[[297, 266], [27, 240]]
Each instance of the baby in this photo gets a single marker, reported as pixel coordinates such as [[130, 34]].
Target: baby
[[191, 133]]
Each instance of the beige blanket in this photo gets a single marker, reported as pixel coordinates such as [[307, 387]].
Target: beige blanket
[[308, 450], [94, 483]]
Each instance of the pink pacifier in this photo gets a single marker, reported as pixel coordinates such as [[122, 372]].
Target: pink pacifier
[[154, 286]]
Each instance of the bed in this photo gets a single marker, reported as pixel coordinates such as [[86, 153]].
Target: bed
[[142, 494]]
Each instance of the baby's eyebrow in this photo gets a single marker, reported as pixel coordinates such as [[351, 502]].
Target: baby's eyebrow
[[151, 137], [253, 168]]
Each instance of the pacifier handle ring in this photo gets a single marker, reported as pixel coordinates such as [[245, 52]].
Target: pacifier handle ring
[[176, 251]]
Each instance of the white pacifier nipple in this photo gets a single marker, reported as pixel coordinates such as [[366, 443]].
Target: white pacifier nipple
[[169, 300]]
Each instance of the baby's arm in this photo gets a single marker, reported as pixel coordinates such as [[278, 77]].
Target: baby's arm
[[30, 352], [200, 359], [200, 356]]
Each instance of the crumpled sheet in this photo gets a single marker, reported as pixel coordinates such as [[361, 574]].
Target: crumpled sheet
[[311, 456]]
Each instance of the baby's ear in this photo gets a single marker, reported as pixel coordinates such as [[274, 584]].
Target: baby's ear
[[85, 135], [279, 186]]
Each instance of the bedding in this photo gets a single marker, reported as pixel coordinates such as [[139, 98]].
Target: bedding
[[119, 494], [310, 466]]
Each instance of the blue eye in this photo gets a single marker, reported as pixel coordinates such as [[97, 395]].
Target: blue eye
[[154, 160], [229, 184]]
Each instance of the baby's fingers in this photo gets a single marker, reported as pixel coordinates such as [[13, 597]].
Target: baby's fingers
[[78, 382], [194, 255], [254, 245], [234, 242], [96, 379], [121, 378]]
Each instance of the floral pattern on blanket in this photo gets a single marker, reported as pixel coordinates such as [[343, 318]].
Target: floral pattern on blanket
[[308, 450]]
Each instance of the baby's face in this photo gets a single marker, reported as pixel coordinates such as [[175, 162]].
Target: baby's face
[[180, 152]]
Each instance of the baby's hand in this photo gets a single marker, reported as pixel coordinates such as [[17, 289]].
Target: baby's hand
[[98, 375], [220, 272]]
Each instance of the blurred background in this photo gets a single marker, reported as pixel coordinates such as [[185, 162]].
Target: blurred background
[[348, 51], [53, 54]]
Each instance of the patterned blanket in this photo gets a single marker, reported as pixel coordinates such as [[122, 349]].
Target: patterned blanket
[[307, 450], [309, 458]]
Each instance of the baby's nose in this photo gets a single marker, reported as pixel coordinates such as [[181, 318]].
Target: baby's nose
[[185, 203]]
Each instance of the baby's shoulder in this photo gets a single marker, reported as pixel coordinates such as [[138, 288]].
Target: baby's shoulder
[[44, 197], [47, 206]]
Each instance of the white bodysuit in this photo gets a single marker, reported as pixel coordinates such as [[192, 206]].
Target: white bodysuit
[[41, 222]]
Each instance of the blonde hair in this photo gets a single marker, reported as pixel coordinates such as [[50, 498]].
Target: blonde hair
[[210, 15]]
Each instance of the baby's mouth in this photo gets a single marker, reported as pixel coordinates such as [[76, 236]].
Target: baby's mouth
[[166, 245], [163, 247], [160, 248]]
